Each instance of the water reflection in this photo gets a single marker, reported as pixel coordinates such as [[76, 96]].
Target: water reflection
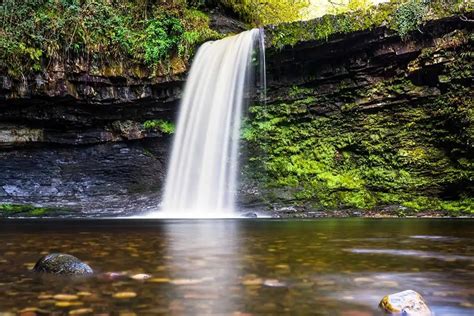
[[204, 262], [416, 254]]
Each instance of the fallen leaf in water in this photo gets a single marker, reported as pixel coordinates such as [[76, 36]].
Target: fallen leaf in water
[[185, 281], [29, 265], [141, 276], [113, 275], [125, 295], [65, 297], [274, 283], [81, 311], [252, 281], [159, 280], [67, 304], [282, 266], [31, 310]]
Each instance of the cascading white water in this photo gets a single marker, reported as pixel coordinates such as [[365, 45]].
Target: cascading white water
[[202, 175]]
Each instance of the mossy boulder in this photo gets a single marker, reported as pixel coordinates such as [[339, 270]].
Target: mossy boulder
[[408, 303], [62, 264]]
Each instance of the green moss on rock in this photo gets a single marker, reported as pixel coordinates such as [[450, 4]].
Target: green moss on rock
[[7, 210], [391, 141], [166, 127]]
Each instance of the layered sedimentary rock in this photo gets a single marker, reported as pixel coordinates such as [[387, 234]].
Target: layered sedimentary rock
[[366, 120], [77, 135], [361, 120]]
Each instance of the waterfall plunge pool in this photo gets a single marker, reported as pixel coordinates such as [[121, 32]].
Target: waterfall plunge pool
[[240, 267]]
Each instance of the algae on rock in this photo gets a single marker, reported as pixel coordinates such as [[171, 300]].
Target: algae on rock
[[392, 132]]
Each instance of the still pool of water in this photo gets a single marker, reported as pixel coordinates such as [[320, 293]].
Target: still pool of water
[[239, 267]]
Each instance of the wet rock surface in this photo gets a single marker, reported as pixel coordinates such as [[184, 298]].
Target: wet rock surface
[[82, 176], [409, 303], [365, 120], [62, 264]]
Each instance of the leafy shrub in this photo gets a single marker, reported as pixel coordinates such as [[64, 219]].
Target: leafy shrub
[[162, 36], [262, 12], [162, 125], [399, 15], [409, 16], [34, 32]]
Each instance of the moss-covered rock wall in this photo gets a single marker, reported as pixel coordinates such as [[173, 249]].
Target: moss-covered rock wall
[[367, 120]]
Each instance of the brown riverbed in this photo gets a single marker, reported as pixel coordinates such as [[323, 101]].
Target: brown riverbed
[[239, 267]]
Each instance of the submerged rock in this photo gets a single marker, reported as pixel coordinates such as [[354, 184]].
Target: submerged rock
[[63, 264], [140, 276], [408, 303]]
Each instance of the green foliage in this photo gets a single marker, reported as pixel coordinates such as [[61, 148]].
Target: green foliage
[[37, 31], [28, 210], [263, 12], [162, 125], [351, 5], [409, 16], [399, 15], [161, 37]]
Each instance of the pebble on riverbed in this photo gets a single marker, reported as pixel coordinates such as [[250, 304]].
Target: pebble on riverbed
[[408, 303], [62, 264]]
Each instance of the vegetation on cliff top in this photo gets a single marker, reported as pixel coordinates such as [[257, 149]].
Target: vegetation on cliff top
[[157, 34], [402, 16], [37, 31], [263, 12]]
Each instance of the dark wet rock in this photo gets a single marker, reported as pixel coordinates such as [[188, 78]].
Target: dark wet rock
[[288, 209], [250, 215], [408, 303], [62, 264], [226, 24]]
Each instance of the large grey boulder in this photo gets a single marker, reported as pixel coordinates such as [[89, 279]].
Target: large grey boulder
[[62, 264], [407, 303]]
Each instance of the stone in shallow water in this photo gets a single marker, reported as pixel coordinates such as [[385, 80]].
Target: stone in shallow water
[[274, 283], [124, 295], [409, 303], [65, 297], [81, 311], [63, 264], [141, 276]]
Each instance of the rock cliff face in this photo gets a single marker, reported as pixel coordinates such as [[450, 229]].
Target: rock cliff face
[[367, 120], [75, 135], [362, 120]]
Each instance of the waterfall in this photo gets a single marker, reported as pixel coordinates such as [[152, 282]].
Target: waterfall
[[202, 174]]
